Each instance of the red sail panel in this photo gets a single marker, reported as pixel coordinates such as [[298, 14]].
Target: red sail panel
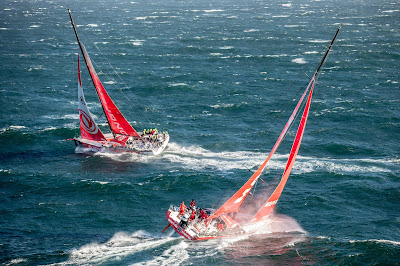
[[89, 129], [228, 221], [234, 203], [117, 121], [267, 208]]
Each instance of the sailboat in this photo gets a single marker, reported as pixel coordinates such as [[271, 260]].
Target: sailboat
[[202, 224], [123, 137]]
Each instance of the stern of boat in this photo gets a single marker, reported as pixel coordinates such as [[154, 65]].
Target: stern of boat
[[174, 219], [162, 145]]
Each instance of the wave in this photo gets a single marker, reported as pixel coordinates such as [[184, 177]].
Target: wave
[[379, 241], [16, 262], [12, 128], [299, 61], [213, 10]]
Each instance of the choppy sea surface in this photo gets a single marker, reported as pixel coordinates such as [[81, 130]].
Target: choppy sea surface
[[222, 78]]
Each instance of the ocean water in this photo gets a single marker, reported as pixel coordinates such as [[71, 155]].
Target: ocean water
[[222, 77]]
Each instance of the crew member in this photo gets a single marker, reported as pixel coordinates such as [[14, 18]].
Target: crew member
[[203, 215], [183, 223], [193, 205], [182, 208], [193, 215], [220, 227]]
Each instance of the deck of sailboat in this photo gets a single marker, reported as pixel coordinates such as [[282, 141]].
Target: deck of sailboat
[[141, 144]]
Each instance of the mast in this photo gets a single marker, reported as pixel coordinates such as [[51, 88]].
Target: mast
[[116, 120], [87, 62], [269, 205], [327, 52], [235, 202]]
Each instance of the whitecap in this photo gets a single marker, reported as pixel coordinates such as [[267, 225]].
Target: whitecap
[[213, 10], [177, 84], [137, 42], [251, 30], [5, 171], [226, 47], [390, 11], [49, 128], [319, 41], [16, 262], [222, 105], [299, 61], [17, 127], [280, 16], [391, 242], [95, 181]]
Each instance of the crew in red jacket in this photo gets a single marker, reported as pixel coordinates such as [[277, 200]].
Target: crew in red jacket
[[182, 208]]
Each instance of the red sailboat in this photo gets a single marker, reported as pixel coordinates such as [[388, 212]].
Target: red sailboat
[[123, 137], [223, 222]]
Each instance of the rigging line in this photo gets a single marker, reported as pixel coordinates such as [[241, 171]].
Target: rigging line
[[317, 73], [254, 191], [221, 199], [110, 79], [275, 118], [121, 80], [120, 90]]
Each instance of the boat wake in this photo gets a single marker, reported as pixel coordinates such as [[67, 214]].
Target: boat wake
[[144, 248], [138, 246], [197, 158]]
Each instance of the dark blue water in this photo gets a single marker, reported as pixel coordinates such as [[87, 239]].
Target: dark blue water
[[220, 76]]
